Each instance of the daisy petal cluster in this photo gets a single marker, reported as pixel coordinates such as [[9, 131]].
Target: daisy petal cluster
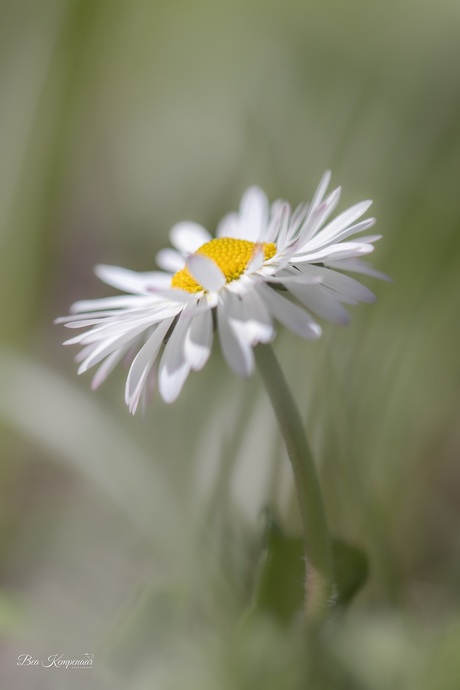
[[266, 264]]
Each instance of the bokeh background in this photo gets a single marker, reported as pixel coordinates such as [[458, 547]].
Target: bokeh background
[[137, 539]]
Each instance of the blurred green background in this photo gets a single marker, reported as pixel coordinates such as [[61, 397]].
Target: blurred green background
[[137, 539]]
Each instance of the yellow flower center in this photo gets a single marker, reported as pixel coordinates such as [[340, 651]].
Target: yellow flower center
[[232, 256]]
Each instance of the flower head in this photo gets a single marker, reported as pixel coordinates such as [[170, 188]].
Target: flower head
[[265, 264]]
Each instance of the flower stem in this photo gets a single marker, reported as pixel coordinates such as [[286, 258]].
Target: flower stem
[[318, 550]]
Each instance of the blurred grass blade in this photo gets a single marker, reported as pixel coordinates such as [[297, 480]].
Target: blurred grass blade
[[41, 405]]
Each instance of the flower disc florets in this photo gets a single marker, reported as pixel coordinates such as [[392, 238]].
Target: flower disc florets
[[231, 255]]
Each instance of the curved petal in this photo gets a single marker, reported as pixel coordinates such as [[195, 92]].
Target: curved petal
[[187, 236], [257, 260], [250, 318], [174, 366], [357, 266], [253, 214], [229, 226], [173, 294], [325, 237], [316, 217], [206, 272], [170, 260], [283, 228], [106, 347], [236, 350], [342, 284], [117, 302], [198, 340], [125, 322], [342, 250], [297, 220], [107, 366], [321, 301], [142, 364], [273, 224], [345, 219], [289, 314], [321, 190], [130, 281]]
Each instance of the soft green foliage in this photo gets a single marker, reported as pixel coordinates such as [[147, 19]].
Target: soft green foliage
[[280, 588], [10, 615], [119, 118]]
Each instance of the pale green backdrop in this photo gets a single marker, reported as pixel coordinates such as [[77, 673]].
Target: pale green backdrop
[[136, 539]]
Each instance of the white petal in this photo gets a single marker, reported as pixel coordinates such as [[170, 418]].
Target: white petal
[[130, 281], [81, 323], [340, 283], [370, 239], [105, 348], [357, 266], [257, 319], [325, 237], [237, 352], [206, 272], [170, 260], [289, 314], [273, 225], [316, 217], [250, 318], [198, 340], [85, 352], [297, 220], [107, 345], [142, 364], [253, 214], [117, 302], [346, 218], [336, 251], [107, 367], [72, 320], [229, 226], [295, 277], [174, 366], [321, 190], [187, 237], [97, 318], [294, 229], [283, 227], [125, 323], [173, 295], [256, 261], [321, 302]]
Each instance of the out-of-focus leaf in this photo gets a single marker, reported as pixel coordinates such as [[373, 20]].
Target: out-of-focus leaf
[[351, 569], [280, 586]]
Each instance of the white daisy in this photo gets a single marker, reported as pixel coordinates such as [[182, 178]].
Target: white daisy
[[265, 265]]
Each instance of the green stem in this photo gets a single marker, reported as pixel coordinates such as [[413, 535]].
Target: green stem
[[318, 550]]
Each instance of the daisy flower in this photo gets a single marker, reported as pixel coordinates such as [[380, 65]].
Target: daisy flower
[[265, 265]]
